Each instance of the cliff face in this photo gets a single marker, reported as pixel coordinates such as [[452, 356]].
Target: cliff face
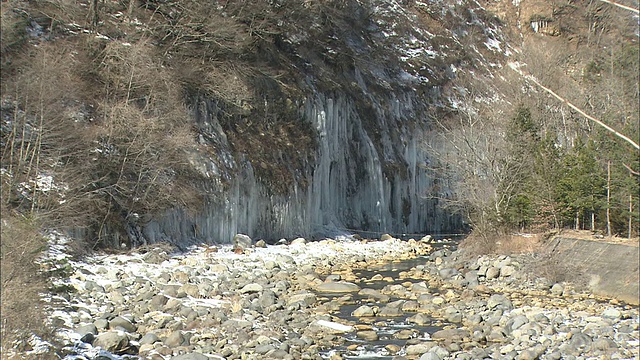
[[368, 94], [299, 119], [190, 122]]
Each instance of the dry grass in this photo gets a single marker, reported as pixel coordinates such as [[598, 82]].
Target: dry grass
[[503, 244], [21, 312]]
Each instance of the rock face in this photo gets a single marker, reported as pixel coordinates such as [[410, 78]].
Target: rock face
[[367, 167]]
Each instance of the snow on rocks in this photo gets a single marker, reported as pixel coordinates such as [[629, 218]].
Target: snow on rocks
[[226, 302]]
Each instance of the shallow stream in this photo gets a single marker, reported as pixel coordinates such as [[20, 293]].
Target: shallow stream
[[385, 326]]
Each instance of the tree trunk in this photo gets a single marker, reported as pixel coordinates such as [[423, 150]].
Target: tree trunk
[[609, 198], [577, 220], [630, 213], [593, 221]]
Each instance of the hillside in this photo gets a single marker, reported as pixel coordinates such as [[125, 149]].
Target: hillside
[[136, 122]]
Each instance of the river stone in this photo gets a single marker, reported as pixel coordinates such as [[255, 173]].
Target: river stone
[[261, 244], [450, 334], [389, 311], [367, 335], [241, 242], [404, 334], [277, 354], [612, 313], [112, 341], [251, 288], [374, 294], [191, 356], [101, 324], [448, 273], [119, 321], [496, 300], [385, 237], [580, 343], [93, 286], [420, 288], [149, 338], [175, 339], [430, 356], [419, 349], [410, 305], [298, 241], [557, 289], [419, 319], [507, 270], [492, 273], [363, 311], [516, 322], [87, 329], [337, 287], [306, 297]]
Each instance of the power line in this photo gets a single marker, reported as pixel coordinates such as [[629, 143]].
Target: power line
[[622, 6], [515, 67]]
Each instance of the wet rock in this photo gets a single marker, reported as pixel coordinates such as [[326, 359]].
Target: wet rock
[[367, 335], [410, 306], [420, 288], [404, 334], [364, 311], [261, 244], [419, 319], [389, 310]]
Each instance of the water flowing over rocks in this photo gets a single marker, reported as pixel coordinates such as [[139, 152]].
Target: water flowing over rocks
[[332, 300]]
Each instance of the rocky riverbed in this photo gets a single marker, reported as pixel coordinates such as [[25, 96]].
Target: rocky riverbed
[[253, 301]]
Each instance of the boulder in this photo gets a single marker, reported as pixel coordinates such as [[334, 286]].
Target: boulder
[[367, 335], [87, 329], [453, 335], [149, 338], [298, 241], [123, 323], [364, 311], [112, 341], [251, 288], [175, 339], [306, 297], [241, 242]]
